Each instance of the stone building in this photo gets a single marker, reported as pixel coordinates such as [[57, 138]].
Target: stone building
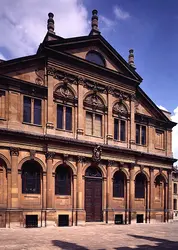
[[175, 192], [80, 140]]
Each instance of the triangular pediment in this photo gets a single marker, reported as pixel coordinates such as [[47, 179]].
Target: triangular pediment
[[145, 107], [79, 47]]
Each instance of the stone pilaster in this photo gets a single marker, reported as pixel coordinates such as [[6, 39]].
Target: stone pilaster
[[14, 152], [131, 193], [109, 212], [49, 184], [170, 217], [80, 216], [151, 193]]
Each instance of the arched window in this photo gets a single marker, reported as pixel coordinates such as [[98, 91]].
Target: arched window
[[95, 108], [140, 185], [118, 184], [31, 177], [120, 114], [95, 57], [93, 172], [65, 100], [63, 180], [159, 187]]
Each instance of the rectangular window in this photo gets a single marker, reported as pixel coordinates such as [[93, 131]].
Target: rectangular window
[[140, 134], [27, 109], [159, 139], [60, 116], [143, 135], [98, 125], [37, 111], [122, 130], [116, 129], [89, 122], [137, 134], [68, 118], [93, 124], [119, 130], [2, 104]]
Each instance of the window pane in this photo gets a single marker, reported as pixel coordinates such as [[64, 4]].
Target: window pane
[[68, 118], [27, 109], [63, 181], [137, 134], [60, 116], [37, 111], [98, 125], [122, 131], [143, 135], [88, 123], [116, 129]]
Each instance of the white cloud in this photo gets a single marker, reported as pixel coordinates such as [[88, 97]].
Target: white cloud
[[161, 107], [120, 13], [2, 57], [23, 24], [107, 24], [175, 134]]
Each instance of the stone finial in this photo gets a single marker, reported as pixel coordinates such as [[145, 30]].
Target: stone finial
[[131, 58], [50, 25], [94, 23]]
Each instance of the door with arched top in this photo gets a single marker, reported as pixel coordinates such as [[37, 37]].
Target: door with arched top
[[93, 194]]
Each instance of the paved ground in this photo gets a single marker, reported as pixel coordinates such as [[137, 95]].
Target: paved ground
[[100, 237]]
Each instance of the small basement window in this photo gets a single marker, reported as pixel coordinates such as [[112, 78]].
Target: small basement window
[[31, 221], [63, 220], [119, 219], [139, 218]]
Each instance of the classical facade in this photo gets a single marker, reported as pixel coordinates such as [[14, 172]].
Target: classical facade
[[80, 140], [175, 193]]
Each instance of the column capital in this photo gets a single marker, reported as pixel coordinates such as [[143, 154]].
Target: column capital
[[132, 165], [80, 159], [110, 163], [14, 151], [151, 169], [50, 155]]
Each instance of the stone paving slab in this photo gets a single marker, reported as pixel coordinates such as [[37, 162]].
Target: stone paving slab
[[95, 237]]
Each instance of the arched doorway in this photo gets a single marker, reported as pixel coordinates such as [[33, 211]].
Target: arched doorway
[[93, 194]]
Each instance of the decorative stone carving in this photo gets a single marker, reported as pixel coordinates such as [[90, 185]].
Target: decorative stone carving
[[32, 154], [61, 75], [65, 158], [120, 109], [94, 101], [14, 151], [97, 154], [80, 159], [40, 76], [141, 168], [110, 163], [50, 155], [63, 92]]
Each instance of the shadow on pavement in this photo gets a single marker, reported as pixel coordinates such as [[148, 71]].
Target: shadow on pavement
[[160, 244]]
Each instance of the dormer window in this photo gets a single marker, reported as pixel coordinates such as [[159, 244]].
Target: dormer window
[[95, 57]]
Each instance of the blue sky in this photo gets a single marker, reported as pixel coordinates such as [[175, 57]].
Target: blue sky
[[150, 27]]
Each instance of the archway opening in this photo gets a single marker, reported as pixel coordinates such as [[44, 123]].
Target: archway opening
[[93, 194], [31, 177]]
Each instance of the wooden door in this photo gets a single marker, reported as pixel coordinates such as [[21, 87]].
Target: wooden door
[[93, 199]]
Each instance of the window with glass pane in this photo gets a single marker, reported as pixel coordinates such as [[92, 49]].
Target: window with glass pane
[[63, 181], [140, 186], [98, 125], [37, 111], [116, 129], [143, 135], [89, 123], [137, 134], [118, 184], [60, 116], [122, 131], [30, 178], [68, 118], [27, 109]]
